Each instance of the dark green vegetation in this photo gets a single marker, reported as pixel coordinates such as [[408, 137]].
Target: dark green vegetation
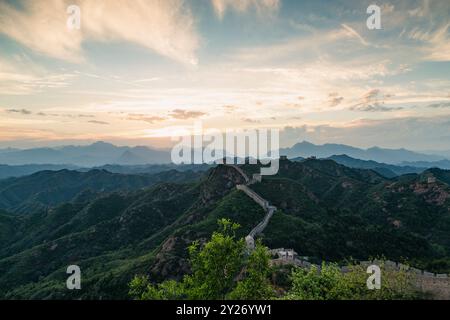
[[50, 188], [223, 269], [331, 284], [20, 171], [7, 171], [386, 170], [326, 211], [215, 266], [333, 213]]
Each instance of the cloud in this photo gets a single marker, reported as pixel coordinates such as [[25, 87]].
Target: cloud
[[230, 108], [374, 101], [10, 133], [20, 76], [377, 107], [440, 105], [145, 118], [46, 114], [98, 122], [352, 32], [261, 6], [387, 8], [409, 132], [334, 99], [420, 11], [248, 120], [41, 26], [21, 111], [294, 105], [185, 115], [324, 44], [162, 26], [372, 94], [437, 42]]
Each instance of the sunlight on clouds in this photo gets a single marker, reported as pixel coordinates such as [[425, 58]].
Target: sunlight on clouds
[[297, 46], [172, 131], [439, 41], [42, 27], [163, 26], [19, 76], [319, 67], [354, 33]]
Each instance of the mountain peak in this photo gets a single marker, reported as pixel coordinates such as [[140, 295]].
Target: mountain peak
[[102, 144]]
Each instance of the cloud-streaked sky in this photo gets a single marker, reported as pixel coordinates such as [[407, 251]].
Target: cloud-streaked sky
[[140, 71]]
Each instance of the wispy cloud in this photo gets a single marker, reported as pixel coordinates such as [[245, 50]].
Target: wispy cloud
[[407, 132], [284, 70], [375, 101], [440, 105], [41, 26], [21, 111], [27, 112], [334, 99], [249, 120], [145, 118], [98, 122], [163, 26], [262, 6], [20, 76], [352, 32], [291, 47], [230, 108], [185, 115]]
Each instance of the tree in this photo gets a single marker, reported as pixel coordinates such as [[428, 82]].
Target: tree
[[216, 265], [142, 289], [325, 284], [329, 283], [221, 269], [256, 284]]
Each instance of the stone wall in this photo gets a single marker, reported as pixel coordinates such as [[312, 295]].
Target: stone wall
[[241, 172], [438, 285], [256, 197]]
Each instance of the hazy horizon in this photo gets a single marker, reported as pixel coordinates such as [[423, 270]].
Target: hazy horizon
[[59, 145]]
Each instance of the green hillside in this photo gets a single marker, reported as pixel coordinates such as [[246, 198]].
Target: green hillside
[[45, 189], [326, 211]]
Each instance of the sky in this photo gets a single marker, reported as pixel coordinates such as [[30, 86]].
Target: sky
[[140, 72]]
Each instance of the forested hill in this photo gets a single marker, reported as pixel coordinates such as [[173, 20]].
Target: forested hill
[[326, 211], [50, 188]]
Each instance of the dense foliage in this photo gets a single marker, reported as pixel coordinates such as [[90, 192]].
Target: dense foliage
[[331, 284], [326, 211], [215, 268], [223, 269]]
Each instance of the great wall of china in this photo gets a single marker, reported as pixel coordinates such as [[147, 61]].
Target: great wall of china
[[436, 284], [268, 209]]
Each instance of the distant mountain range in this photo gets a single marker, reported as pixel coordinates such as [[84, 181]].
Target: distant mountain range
[[97, 154], [388, 156], [443, 164], [101, 154], [7, 171], [386, 170]]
